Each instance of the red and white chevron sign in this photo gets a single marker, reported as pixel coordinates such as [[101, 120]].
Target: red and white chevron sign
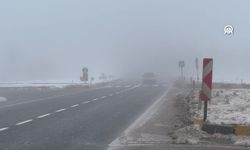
[[207, 74]]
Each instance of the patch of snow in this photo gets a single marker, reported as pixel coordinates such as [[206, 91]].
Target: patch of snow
[[49, 83], [189, 135], [2, 99], [153, 138], [142, 139], [241, 140], [227, 106]]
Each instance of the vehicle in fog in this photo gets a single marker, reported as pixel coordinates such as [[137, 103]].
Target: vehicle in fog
[[149, 78]]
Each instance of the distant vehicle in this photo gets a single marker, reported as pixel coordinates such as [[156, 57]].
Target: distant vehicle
[[149, 78]]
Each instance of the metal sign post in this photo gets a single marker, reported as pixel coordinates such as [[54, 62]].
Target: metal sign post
[[205, 93], [181, 65], [197, 68]]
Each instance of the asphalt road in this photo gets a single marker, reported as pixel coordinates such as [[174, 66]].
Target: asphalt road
[[74, 118]]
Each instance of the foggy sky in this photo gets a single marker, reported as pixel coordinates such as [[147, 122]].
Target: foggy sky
[[54, 39]]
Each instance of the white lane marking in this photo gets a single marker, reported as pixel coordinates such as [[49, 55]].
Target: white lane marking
[[42, 116], [5, 128], [74, 105], [127, 86], [40, 99], [108, 86], [23, 122], [136, 86], [85, 102], [59, 110], [95, 99], [47, 98]]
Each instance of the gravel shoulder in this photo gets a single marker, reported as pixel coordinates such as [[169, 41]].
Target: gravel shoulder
[[158, 124]]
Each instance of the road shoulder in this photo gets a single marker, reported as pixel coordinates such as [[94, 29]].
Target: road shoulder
[[157, 124]]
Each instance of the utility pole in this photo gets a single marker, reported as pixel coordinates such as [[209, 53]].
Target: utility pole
[[197, 68], [181, 66]]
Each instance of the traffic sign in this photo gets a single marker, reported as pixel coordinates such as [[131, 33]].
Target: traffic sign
[[84, 76], [181, 64], [85, 69], [207, 73], [205, 94]]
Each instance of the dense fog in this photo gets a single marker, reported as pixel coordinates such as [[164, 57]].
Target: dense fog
[[54, 40]]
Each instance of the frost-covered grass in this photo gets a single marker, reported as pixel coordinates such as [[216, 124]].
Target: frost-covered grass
[[227, 106]]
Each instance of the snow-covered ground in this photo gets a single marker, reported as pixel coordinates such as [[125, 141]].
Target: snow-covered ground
[[189, 135], [227, 106], [194, 135], [48, 83]]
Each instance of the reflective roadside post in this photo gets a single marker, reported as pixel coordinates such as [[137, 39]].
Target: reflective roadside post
[[207, 73]]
